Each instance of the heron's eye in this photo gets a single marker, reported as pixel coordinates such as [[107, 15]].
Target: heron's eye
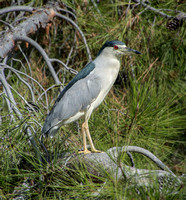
[[116, 47]]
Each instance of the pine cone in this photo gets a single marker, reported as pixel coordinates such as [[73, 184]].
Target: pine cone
[[176, 22], [173, 24]]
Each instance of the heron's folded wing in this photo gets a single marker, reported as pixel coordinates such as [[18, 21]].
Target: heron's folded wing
[[77, 98]]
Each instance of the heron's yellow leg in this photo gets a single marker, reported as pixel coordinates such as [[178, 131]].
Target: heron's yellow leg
[[86, 128], [85, 150]]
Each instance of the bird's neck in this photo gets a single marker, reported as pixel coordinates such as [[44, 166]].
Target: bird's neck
[[109, 61], [110, 56], [107, 66]]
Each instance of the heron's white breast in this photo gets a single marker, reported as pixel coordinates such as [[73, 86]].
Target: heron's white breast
[[107, 72]]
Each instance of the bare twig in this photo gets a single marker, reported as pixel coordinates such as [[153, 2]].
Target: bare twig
[[43, 53], [158, 11], [67, 11], [73, 71], [16, 8], [115, 150], [72, 48], [131, 158], [45, 91], [9, 94], [18, 20], [79, 30], [9, 106], [128, 7], [4, 66], [18, 113], [9, 25]]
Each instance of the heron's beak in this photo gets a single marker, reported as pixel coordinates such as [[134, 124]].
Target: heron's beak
[[129, 51], [132, 51]]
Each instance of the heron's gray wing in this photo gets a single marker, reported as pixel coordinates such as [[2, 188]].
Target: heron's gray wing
[[81, 75], [77, 97]]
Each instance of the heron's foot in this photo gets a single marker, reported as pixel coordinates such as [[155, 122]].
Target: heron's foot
[[86, 151], [96, 151]]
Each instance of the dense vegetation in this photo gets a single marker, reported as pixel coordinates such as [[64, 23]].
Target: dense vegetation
[[146, 107]]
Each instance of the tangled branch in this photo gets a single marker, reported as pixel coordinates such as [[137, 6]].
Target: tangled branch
[[110, 163], [11, 39]]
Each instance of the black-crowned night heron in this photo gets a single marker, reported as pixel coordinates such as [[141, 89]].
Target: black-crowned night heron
[[87, 90]]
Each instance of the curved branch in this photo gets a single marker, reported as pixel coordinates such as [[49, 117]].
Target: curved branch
[[16, 8], [148, 7], [42, 52], [7, 24], [67, 11], [73, 71], [28, 63], [131, 158], [8, 105], [81, 33], [18, 113], [19, 72], [45, 91], [28, 86], [72, 48], [29, 105], [116, 150], [108, 165], [18, 20], [9, 93]]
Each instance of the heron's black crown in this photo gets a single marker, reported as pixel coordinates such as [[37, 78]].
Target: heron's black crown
[[110, 44]]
